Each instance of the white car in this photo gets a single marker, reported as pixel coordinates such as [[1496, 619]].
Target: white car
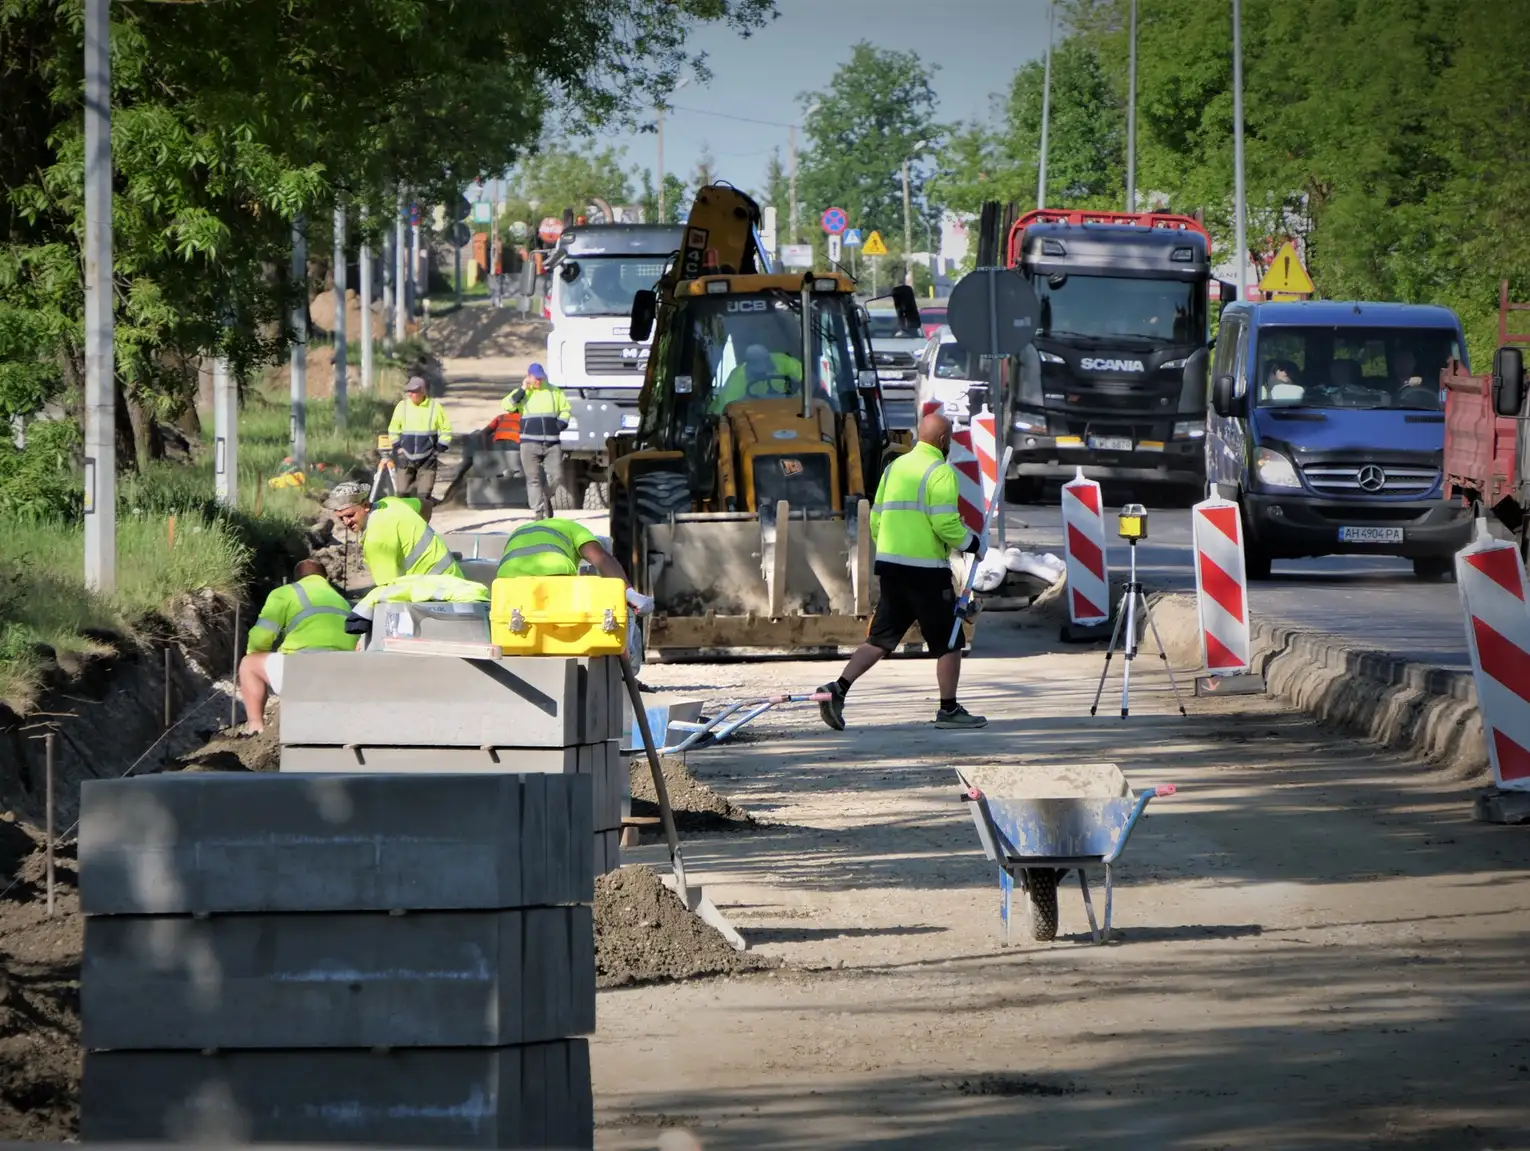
[[943, 374]]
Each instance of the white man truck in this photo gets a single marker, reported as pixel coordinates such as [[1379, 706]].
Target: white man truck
[[595, 271]]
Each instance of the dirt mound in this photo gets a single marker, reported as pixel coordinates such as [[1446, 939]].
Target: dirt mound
[[644, 935], [228, 750], [697, 807], [479, 330]]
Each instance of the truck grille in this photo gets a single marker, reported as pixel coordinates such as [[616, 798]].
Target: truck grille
[[615, 359], [1371, 479]]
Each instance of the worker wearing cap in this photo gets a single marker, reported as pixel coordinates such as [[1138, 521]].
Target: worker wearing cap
[[420, 432], [305, 615], [395, 539], [916, 522], [544, 414], [411, 589]]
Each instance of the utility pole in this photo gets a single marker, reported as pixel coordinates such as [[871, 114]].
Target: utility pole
[[387, 290], [364, 259], [791, 153], [100, 368], [663, 218], [342, 351], [908, 235], [1240, 230], [298, 366], [400, 281], [1131, 119], [414, 267], [225, 434], [1046, 115]]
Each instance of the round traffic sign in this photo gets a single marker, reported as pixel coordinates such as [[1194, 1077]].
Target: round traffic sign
[[835, 221], [994, 312], [550, 228]]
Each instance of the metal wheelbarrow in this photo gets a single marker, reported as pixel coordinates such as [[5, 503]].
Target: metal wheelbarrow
[[1039, 822]]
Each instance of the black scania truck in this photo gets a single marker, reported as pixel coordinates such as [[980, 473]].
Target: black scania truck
[[1117, 378]]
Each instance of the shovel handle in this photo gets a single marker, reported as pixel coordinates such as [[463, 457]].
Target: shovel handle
[[666, 813]]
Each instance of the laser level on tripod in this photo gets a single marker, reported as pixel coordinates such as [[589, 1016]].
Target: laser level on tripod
[[1132, 526]]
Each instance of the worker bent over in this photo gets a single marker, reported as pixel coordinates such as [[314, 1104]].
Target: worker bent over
[[916, 522], [554, 547], [544, 414], [395, 539], [411, 589], [420, 433], [306, 615]]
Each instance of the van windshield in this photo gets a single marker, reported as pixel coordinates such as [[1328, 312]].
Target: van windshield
[[605, 285], [1354, 368]]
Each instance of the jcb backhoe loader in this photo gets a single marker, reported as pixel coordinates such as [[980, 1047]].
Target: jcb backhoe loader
[[741, 503]]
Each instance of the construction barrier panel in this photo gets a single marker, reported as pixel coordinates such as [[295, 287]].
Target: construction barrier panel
[[1221, 586], [1493, 594], [1084, 552], [985, 445]]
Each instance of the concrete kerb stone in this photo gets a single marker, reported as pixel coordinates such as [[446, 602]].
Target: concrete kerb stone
[[1425, 711]]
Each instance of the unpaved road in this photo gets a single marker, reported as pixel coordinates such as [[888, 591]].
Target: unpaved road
[[1316, 947]]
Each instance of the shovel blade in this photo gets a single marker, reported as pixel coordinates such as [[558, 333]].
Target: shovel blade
[[700, 905]]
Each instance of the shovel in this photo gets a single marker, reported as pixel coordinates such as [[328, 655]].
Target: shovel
[[694, 898]]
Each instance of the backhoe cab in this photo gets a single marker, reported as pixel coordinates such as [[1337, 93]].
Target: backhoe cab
[[741, 502]]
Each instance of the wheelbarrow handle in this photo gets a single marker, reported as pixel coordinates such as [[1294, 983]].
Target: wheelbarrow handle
[[1142, 801], [1164, 789]]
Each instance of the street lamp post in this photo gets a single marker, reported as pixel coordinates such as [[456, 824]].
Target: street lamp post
[[791, 171], [1131, 119], [1046, 117], [1240, 226], [100, 393], [663, 216], [908, 233]]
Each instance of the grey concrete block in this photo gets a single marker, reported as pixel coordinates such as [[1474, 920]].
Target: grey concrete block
[[434, 979], [400, 700], [181, 844], [608, 851], [534, 1096]]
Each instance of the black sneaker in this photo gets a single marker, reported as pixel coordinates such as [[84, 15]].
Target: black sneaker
[[959, 718], [833, 708]]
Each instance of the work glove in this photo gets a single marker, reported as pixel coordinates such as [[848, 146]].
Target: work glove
[[977, 545], [640, 603], [970, 609]]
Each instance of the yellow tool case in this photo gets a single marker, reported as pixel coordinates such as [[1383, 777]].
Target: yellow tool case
[[558, 615]]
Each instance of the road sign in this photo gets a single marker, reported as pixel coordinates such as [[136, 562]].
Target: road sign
[[874, 246], [461, 234], [1286, 276], [835, 246], [483, 212], [992, 312], [797, 255], [550, 228], [852, 237], [834, 220]]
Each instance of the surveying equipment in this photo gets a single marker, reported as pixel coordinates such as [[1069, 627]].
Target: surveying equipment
[[1132, 526]]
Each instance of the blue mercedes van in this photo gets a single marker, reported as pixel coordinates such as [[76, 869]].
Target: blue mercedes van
[[1327, 426]]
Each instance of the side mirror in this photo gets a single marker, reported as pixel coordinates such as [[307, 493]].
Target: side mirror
[[907, 308], [645, 305], [866, 379], [1224, 396], [1192, 386], [1508, 382], [1227, 293]]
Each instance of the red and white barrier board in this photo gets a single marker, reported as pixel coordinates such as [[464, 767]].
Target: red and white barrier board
[[1497, 604], [1221, 586], [985, 445], [972, 455], [1084, 552]]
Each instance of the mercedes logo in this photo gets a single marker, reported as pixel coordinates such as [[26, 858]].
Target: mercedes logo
[[1372, 478]]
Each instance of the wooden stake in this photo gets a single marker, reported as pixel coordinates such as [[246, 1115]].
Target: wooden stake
[[48, 786], [171, 528]]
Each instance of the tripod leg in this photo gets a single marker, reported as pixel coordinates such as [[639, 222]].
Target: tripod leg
[[1130, 646], [1104, 671], [1163, 655]]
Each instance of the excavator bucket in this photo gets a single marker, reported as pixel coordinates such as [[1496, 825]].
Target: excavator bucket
[[774, 584]]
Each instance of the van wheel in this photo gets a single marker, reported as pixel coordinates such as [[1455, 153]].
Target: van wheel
[[1433, 568], [596, 496], [1256, 562]]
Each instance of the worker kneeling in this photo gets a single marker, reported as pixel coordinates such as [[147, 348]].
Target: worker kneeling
[[306, 615], [554, 547], [916, 522], [411, 589], [395, 539]]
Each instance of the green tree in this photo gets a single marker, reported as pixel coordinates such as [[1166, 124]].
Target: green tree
[[777, 190], [676, 203], [567, 176], [878, 109]]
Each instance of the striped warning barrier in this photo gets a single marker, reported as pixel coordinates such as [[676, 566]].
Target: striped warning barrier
[[1494, 596], [985, 446], [1221, 586], [1084, 551]]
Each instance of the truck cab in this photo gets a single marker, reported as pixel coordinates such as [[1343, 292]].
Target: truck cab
[[1327, 426]]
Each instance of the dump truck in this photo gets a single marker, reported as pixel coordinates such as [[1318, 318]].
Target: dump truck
[[741, 501], [1487, 451]]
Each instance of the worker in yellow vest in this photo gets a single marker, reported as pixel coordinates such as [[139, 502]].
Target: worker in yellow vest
[[916, 522], [554, 547], [395, 539], [305, 615], [420, 432], [544, 414]]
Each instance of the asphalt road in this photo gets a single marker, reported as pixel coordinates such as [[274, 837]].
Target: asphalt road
[[1376, 601]]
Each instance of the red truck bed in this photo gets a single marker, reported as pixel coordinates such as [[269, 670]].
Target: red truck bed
[[1480, 445]]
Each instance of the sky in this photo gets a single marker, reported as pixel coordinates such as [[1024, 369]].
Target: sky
[[976, 44]]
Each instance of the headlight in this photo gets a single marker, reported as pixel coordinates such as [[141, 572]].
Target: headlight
[[1049, 358], [1024, 423], [1189, 430], [1274, 470], [1172, 364]]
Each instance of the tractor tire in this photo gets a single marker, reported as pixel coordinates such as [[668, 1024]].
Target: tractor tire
[[658, 495], [1041, 892]]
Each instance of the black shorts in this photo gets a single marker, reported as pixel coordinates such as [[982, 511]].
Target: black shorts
[[915, 595]]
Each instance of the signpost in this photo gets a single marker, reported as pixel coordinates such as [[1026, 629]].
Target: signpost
[[836, 247], [872, 248], [994, 313]]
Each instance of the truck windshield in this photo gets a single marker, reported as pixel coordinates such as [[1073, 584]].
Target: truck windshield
[[1117, 309], [750, 347], [1356, 368], [605, 285]]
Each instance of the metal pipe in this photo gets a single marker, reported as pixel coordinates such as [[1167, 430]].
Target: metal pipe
[[168, 699], [1046, 115], [1240, 228], [48, 800], [233, 698], [400, 280], [100, 390], [908, 236], [364, 272], [1131, 119]]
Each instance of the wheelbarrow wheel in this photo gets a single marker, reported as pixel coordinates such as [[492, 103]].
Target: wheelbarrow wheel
[[1041, 890]]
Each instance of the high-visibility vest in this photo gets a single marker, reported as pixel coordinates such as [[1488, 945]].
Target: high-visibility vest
[[545, 548], [306, 616], [398, 542], [916, 519], [544, 414], [419, 429], [422, 589]]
